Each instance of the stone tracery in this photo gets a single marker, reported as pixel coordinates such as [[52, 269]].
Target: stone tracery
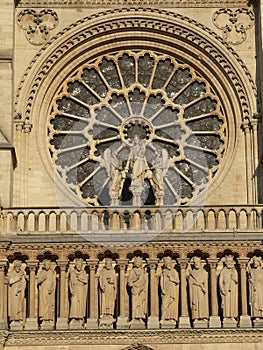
[[118, 97]]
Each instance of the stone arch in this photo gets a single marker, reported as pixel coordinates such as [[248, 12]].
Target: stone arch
[[131, 28]]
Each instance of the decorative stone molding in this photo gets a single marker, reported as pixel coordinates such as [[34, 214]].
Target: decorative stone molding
[[234, 23], [37, 25], [173, 25], [138, 346], [100, 3], [130, 337]]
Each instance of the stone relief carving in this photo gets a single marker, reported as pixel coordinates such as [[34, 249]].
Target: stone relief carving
[[37, 25], [120, 23], [228, 286], [169, 283], [108, 288], [139, 306], [114, 171], [47, 286], [138, 281], [234, 23], [255, 279], [78, 281], [138, 346], [16, 294], [198, 288]]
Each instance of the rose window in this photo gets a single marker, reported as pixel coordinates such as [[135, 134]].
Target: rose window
[[118, 99]]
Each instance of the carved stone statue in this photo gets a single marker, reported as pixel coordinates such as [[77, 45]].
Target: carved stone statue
[[16, 294], [47, 287], [114, 171], [138, 281], [78, 281], [160, 168], [139, 169], [228, 285], [169, 283], [198, 287], [255, 278], [108, 288]]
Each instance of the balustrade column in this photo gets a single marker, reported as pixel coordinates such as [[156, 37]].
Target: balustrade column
[[3, 263], [92, 321], [122, 321], [31, 321], [153, 320], [245, 320], [62, 321], [214, 320], [184, 321]]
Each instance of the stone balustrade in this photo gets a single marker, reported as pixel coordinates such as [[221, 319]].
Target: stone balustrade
[[123, 219]]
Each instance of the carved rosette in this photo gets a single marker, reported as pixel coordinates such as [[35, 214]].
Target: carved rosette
[[37, 24], [234, 23]]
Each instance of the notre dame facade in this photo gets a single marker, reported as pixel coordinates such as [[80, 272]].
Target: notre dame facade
[[131, 180]]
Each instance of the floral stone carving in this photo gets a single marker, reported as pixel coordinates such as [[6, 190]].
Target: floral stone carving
[[234, 23], [37, 25]]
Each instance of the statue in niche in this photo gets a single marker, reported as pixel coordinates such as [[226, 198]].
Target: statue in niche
[[108, 288], [114, 171], [198, 288], [169, 283], [138, 281], [47, 286], [160, 169], [16, 294], [78, 282], [228, 285], [255, 279], [139, 169]]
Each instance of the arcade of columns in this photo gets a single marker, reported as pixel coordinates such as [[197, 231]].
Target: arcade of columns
[[169, 286]]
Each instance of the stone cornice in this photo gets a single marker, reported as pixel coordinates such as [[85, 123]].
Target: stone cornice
[[151, 249], [128, 337], [117, 3]]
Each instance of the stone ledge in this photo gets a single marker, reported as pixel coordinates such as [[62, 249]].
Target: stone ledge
[[105, 3], [118, 337]]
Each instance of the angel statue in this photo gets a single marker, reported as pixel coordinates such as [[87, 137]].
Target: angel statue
[[160, 169], [113, 166]]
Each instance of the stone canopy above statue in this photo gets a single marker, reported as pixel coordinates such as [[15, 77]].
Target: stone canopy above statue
[[136, 128]]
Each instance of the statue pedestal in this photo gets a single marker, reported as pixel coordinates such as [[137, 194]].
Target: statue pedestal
[[31, 324], [229, 323], [76, 324], [2, 324], [16, 326], [245, 321], [137, 195], [92, 323], [62, 323], [115, 202], [153, 322], [47, 325], [122, 323], [184, 322], [168, 324], [200, 324], [258, 322], [214, 322], [106, 322], [137, 324]]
